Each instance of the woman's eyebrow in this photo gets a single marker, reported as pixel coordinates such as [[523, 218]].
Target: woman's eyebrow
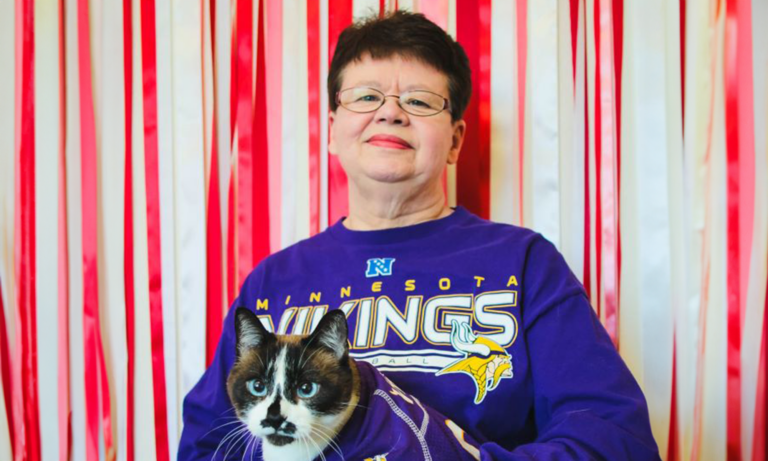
[[411, 87], [368, 83]]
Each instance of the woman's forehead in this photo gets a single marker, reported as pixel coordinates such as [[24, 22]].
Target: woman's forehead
[[396, 71]]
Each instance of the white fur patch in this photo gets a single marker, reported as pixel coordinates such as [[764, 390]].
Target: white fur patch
[[249, 338], [330, 339]]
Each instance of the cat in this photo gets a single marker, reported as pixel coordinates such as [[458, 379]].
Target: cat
[[295, 393]]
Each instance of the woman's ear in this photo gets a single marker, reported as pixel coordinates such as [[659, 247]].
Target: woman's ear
[[331, 137], [457, 139]]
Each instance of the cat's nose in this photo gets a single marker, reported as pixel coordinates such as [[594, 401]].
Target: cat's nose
[[273, 420]]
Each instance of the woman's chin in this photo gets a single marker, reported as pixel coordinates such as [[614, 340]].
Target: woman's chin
[[389, 177]]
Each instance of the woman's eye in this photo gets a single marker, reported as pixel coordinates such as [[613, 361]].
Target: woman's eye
[[417, 103], [308, 390], [368, 98], [257, 387]]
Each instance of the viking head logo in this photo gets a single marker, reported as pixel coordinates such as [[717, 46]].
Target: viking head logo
[[484, 360]]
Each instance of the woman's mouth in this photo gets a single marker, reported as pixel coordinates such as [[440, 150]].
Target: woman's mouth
[[388, 141]]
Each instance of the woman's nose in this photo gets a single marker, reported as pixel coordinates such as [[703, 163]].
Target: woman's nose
[[391, 112]]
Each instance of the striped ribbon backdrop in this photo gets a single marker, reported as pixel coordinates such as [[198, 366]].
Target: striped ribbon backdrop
[[152, 152]]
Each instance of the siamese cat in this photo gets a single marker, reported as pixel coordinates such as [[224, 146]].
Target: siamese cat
[[295, 393]]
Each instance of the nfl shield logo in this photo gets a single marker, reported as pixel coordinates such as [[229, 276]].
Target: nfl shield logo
[[379, 266]]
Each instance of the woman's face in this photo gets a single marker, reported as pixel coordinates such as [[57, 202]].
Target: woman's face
[[389, 145]]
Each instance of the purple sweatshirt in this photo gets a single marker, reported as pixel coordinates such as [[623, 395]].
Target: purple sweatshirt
[[483, 322]]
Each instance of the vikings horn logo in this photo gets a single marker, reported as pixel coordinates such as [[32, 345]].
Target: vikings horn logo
[[484, 360]]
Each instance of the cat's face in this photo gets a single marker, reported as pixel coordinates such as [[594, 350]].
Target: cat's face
[[292, 390]]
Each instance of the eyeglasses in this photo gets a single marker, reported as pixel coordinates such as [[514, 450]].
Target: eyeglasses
[[420, 103]]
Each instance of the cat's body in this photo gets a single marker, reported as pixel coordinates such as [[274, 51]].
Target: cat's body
[[293, 392], [296, 393]]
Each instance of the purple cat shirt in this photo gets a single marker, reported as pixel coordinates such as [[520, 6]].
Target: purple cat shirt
[[392, 425], [483, 322]]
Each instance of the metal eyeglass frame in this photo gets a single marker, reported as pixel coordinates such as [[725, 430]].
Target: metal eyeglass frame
[[446, 102]]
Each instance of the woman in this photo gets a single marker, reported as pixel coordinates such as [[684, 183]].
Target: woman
[[482, 321]]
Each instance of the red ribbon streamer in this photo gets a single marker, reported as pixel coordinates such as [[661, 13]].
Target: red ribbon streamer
[[231, 262], [574, 35], [522, 62], [314, 91], [214, 308], [587, 198], [672, 448], [5, 372], [606, 166], [65, 412], [339, 17], [473, 30], [96, 382], [244, 191], [598, 170], [231, 258], [260, 201], [149, 70], [733, 405], [25, 395], [618, 63], [128, 227]]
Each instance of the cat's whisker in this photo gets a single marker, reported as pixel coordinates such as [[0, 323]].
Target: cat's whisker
[[222, 425], [357, 405], [305, 348], [234, 442], [322, 455], [249, 446], [301, 365], [230, 435], [327, 438], [317, 447], [257, 442]]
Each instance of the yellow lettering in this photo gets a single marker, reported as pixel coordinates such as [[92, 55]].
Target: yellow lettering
[[315, 297], [376, 287], [445, 284], [479, 280], [345, 292], [287, 300], [262, 304], [410, 285], [512, 281]]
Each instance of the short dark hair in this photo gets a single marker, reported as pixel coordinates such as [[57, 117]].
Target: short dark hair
[[410, 35]]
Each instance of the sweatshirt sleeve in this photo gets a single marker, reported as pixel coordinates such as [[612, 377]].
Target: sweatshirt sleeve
[[207, 413], [587, 404]]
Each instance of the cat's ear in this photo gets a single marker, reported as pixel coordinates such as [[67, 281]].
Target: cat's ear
[[332, 333], [250, 332]]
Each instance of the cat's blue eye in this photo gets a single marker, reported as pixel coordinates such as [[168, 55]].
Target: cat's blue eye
[[257, 387], [308, 390]]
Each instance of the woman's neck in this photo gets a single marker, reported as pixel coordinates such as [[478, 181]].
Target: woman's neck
[[386, 212]]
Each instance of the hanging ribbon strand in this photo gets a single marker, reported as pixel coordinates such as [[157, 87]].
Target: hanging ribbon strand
[[128, 276], [96, 383], [473, 27], [26, 431], [339, 17], [149, 70], [65, 412]]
